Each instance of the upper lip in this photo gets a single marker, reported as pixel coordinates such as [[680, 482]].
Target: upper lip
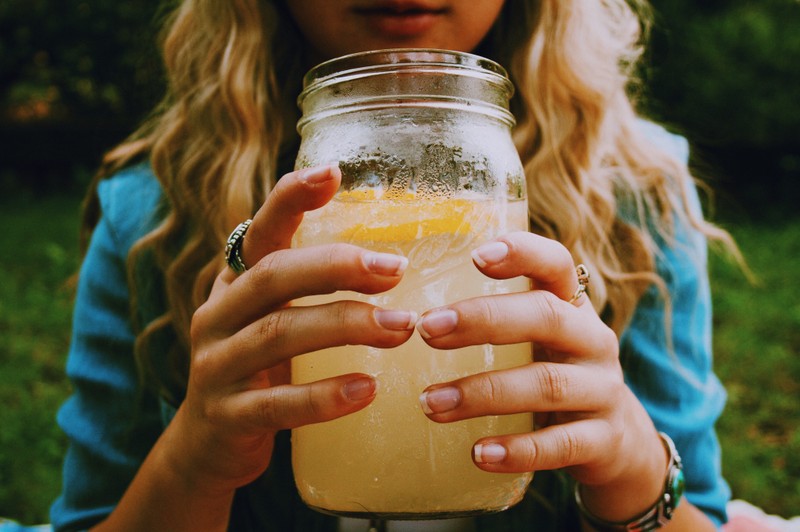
[[401, 7]]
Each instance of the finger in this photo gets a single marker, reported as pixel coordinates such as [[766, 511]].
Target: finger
[[555, 447], [290, 406], [537, 387], [293, 273], [277, 220], [546, 262], [536, 316], [292, 331]]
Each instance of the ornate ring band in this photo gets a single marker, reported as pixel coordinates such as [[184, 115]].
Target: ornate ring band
[[233, 248], [583, 282]]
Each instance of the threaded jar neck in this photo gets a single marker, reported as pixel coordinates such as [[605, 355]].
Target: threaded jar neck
[[406, 77]]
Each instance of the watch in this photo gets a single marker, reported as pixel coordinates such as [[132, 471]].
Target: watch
[[657, 515]]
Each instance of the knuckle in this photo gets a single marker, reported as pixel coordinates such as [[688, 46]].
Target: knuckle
[[274, 326], [331, 255], [561, 259], [344, 313], [608, 342], [569, 448], [315, 408], [342, 316], [204, 321], [550, 313], [553, 382], [203, 360], [615, 432], [269, 410], [288, 408], [488, 311], [201, 365], [337, 259], [491, 389], [491, 311], [264, 271], [530, 459], [199, 324], [618, 391], [339, 253]]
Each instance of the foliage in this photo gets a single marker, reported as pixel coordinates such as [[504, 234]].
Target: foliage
[[725, 70], [76, 76], [77, 59], [725, 73]]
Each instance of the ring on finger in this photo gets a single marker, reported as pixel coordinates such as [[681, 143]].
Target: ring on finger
[[583, 282], [233, 248]]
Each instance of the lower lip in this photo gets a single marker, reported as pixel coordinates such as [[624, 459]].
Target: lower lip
[[401, 25]]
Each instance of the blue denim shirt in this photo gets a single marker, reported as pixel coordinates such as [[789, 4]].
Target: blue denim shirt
[[111, 424]]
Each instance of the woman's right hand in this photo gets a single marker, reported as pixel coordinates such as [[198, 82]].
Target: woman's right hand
[[243, 337]]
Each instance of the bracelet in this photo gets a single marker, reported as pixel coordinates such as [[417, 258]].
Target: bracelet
[[657, 515]]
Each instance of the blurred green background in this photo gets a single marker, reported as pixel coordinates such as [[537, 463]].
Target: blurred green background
[[77, 76]]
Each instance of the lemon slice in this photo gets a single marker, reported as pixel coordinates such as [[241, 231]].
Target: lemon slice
[[408, 217]]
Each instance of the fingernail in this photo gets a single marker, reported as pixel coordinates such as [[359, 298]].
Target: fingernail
[[440, 400], [437, 323], [488, 453], [360, 388], [385, 263], [396, 320], [490, 253], [316, 175]]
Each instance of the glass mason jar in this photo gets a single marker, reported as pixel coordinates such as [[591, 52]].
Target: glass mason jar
[[429, 171]]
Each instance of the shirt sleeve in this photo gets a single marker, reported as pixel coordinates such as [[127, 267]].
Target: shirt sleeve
[[110, 423], [667, 356]]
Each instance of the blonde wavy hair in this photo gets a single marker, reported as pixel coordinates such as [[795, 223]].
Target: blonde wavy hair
[[226, 126]]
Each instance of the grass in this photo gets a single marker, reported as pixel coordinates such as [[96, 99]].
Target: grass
[[757, 338], [757, 342], [38, 254]]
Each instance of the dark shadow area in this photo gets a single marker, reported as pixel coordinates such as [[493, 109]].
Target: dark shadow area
[[77, 77]]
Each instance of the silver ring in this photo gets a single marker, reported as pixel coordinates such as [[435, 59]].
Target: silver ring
[[583, 282], [233, 248]]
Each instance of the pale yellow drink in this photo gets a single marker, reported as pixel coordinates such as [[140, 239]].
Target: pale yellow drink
[[389, 459]]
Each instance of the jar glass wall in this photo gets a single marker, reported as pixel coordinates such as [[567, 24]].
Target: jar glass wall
[[429, 171]]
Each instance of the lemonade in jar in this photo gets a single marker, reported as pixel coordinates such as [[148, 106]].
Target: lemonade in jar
[[428, 172]]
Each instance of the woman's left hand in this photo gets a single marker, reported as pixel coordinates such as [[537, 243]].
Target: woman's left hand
[[589, 422]]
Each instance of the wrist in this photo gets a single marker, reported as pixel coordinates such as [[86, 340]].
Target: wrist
[[163, 496], [613, 518], [631, 481], [184, 454]]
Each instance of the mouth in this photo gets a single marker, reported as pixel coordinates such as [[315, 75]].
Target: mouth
[[401, 19]]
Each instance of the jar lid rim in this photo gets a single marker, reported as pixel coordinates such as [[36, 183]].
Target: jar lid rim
[[402, 58]]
